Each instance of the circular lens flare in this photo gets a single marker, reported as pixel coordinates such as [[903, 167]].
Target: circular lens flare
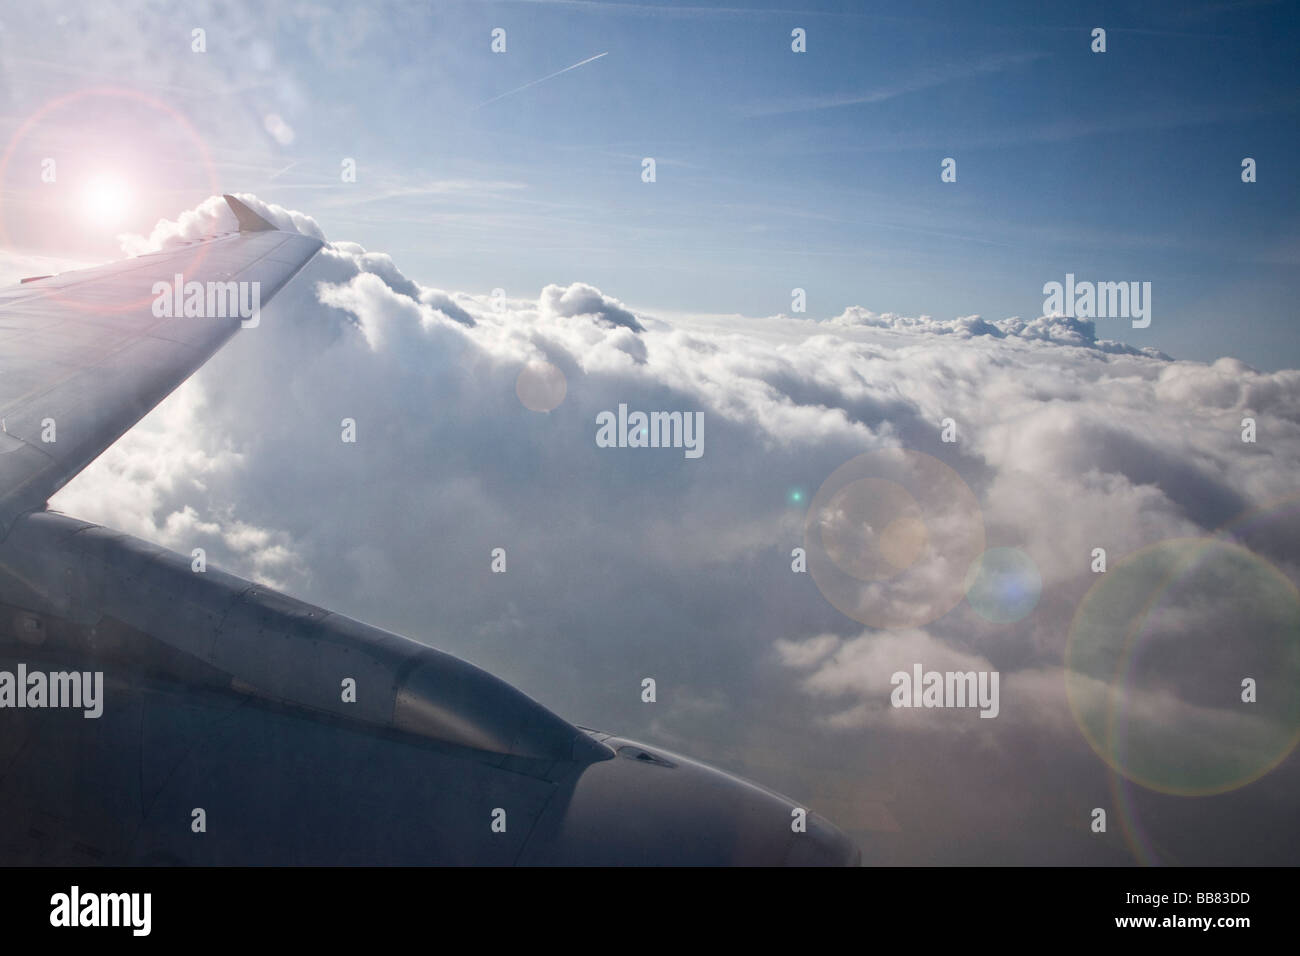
[[1004, 585], [541, 386], [1157, 662], [889, 536]]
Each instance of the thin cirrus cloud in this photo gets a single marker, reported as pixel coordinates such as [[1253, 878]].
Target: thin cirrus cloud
[[925, 80]]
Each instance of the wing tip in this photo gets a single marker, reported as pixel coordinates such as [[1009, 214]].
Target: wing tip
[[249, 221]]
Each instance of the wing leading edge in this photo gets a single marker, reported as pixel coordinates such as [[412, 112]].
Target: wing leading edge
[[85, 355]]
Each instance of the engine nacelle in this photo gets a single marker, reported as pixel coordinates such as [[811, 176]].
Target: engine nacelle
[[70, 587]]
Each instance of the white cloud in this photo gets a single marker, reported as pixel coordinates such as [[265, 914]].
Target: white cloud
[[213, 216]]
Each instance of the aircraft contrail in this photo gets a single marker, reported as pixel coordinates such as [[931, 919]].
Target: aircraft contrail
[[283, 171], [542, 80]]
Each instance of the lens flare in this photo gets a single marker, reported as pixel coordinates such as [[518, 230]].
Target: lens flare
[[1183, 666], [1004, 585], [541, 386], [175, 127], [889, 536]]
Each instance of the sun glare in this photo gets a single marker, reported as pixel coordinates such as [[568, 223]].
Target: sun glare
[[106, 201]]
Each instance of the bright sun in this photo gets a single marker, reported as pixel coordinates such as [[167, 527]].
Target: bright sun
[[105, 200]]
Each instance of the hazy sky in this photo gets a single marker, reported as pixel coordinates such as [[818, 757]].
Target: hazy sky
[[775, 170]]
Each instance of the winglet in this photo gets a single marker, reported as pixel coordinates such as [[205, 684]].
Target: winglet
[[249, 221]]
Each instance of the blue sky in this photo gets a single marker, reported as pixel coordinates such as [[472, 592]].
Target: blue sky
[[775, 170]]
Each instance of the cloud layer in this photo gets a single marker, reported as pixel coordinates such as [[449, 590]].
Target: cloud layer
[[633, 562]]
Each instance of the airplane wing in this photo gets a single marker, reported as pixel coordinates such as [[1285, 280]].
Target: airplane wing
[[85, 355]]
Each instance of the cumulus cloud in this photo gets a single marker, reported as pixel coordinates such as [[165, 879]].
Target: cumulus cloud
[[580, 299], [1063, 330], [859, 670], [625, 563], [211, 217]]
